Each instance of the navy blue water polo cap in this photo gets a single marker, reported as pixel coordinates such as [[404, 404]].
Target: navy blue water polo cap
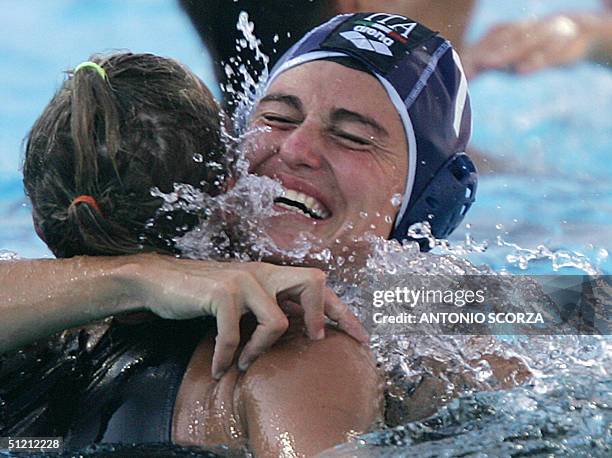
[[423, 77]]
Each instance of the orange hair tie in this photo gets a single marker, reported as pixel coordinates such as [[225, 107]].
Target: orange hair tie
[[91, 201]]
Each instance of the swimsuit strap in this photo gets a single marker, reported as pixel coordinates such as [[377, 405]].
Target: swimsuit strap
[[131, 395]]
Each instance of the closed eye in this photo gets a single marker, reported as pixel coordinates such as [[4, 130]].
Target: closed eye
[[352, 140], [275, 120]]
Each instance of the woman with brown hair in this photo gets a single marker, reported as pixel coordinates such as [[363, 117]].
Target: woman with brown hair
[[120, 126]]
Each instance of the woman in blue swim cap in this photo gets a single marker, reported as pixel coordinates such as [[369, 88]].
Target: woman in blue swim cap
[[377, 149], [364, 108]]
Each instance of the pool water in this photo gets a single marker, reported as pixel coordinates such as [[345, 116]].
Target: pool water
[[546, 207], [548, 134]]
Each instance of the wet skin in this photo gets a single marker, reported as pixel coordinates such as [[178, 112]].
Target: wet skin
[[331, 133], [349, 154], [297, 399]]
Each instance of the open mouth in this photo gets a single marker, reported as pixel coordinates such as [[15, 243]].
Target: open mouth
[[302, 203]]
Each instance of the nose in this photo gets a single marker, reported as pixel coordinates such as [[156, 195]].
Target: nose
[[303, 147]]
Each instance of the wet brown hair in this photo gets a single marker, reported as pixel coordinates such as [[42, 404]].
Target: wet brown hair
[[150, 123]]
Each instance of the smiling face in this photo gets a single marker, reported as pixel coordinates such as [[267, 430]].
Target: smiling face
[[334, 140]]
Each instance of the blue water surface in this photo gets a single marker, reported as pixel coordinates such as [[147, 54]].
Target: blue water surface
[[548, 133]]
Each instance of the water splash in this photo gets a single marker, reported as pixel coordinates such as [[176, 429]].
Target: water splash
[[6, 255], [456, 366], [457, 369], [566, 400], [572, 419], [521, 257], [251, 85], [231, 224], [463, 372]]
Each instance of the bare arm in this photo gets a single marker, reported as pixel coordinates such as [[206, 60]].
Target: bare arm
[[41, 297], [531, 45], [298, 399]]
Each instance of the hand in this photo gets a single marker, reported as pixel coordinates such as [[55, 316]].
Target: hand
[[181, 289], [528, 46]]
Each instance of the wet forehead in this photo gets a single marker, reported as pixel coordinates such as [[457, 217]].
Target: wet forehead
[[326, 85]]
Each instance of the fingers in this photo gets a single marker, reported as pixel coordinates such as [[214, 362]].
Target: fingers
[[263, 338], [554, 53], [228, 337], [303, 285], [312, 298], [528, 46], [502, 53], [258, 292], [318, 301], [272, 322], [340, 313]]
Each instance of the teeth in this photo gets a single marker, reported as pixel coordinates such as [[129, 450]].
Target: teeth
[[312, 204]]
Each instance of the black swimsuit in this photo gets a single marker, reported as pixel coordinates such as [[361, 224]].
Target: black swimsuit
[[121, 389]]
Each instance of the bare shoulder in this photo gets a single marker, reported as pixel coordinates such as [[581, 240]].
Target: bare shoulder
[[316, 393], [296, 357]]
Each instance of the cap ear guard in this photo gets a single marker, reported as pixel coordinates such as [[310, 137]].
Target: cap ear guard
[[444, 201]]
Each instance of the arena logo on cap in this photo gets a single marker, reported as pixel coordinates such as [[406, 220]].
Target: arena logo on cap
[[377, 39], [379, 35]]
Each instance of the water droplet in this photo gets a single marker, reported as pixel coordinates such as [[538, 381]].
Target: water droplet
[[197, 157], [215, 165], [6, 255], [363, 215], [396, 200]]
